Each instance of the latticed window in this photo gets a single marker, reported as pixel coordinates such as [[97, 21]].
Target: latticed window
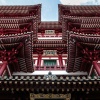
[[49, 62]]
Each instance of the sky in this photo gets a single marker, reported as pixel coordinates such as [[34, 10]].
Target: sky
[[49, 10]]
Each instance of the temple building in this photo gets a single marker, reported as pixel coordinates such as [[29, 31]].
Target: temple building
[[50, 60]]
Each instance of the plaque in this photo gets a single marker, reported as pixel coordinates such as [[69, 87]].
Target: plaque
[[50, 96]]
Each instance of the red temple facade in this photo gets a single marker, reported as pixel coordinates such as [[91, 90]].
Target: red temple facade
[[43, 60]]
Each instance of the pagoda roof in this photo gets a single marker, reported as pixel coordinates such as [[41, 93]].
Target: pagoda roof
[[88, 25], [84, 22], [54, 41], [83, 49], [78, 10], [62, 45], [21, 11], [16, 49], [50, 25], [15, 25], [14, 22]]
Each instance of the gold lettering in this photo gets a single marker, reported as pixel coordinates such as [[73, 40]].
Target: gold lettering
[[39, 96]]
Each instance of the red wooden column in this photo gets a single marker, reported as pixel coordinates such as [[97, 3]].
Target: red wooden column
[[96, 67], [3, 67], [39, 60], [60, 60], [91, 70]]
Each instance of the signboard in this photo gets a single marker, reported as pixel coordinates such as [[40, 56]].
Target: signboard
[[49, 31], [50, 96], [49, 52]]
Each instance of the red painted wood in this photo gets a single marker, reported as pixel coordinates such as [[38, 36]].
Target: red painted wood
[[96, 67], [39, 60], [60, 60], [3, 67]]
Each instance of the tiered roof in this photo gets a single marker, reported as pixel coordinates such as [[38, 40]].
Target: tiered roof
[[78, 10], [83, 49], [15, 25], [21, 11], [87, 25], [52, 25], [17, 51], [49, 44], [21, 18]]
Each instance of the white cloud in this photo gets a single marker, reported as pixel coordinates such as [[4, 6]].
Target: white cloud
[[79, 2], [3, 2]]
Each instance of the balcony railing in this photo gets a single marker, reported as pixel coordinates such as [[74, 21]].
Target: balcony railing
[[50, 67]]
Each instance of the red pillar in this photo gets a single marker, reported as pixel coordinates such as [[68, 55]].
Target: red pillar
[[96, 67], [3, 67], [91, 70], [39, 60], [8, 70], [60, 60]]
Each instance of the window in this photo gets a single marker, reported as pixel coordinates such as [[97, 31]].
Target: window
[[50, 62]]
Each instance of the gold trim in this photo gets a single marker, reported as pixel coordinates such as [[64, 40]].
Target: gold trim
[[47, 96]]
